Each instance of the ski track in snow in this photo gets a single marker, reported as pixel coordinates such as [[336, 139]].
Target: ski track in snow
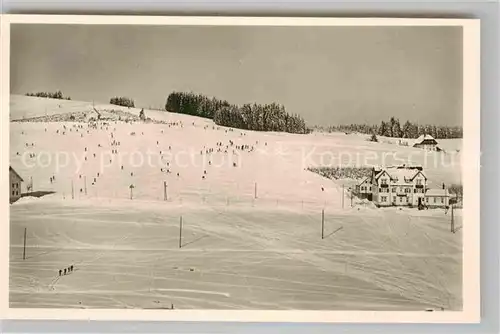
[[237, 252]]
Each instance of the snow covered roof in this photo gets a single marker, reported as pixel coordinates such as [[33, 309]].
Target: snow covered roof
[[423, 138], [379, 173], [14, 171], [437, 192], [364, 180], [403, 174]]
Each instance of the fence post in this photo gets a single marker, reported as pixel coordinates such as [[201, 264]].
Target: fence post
[[180, 232], [342, 196], [452, 221], [323, 224], [24, 248]]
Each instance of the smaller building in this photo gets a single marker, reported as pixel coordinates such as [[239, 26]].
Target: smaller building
[[364, 189], [426, 142], [15, 181], [437, 198]]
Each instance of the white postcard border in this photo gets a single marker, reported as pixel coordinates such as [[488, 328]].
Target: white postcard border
[[471, 179]]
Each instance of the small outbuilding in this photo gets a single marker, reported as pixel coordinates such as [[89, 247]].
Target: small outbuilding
[[426, 142], [364, 188], [438, 198], [15, 181]]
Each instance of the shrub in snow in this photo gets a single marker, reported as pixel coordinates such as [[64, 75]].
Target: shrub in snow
[[122, 101]]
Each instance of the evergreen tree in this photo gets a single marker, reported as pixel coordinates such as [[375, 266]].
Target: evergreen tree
[[396, 132], [392, 122], [383, 129], [407, 129]]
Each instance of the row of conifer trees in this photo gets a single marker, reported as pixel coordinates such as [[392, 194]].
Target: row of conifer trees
[[51, 95], [122, 101], [259, 117], [273, 117], [393, 128]]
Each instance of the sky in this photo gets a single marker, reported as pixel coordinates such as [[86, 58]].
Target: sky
[[328, 75]]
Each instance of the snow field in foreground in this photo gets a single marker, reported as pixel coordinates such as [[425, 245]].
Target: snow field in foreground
[[247, 258]]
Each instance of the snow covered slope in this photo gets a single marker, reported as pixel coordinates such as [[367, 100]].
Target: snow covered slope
[[271, 164], [251, 216]]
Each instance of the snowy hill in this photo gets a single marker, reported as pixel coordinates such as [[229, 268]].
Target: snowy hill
[[274, 163], [237, 251]]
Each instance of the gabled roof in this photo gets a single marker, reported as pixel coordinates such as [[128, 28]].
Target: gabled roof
[[14, 171], [419, 172], [426, 138], [401, 173], [364, 180], [381, 173]]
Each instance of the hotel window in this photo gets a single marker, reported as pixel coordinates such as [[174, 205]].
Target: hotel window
[[383, 181], [427, 199], [394, 189], [400, 199], [434, 199], [419, 182], [13, 193]]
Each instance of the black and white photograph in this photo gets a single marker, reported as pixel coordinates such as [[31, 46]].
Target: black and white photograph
[[242, 167]]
